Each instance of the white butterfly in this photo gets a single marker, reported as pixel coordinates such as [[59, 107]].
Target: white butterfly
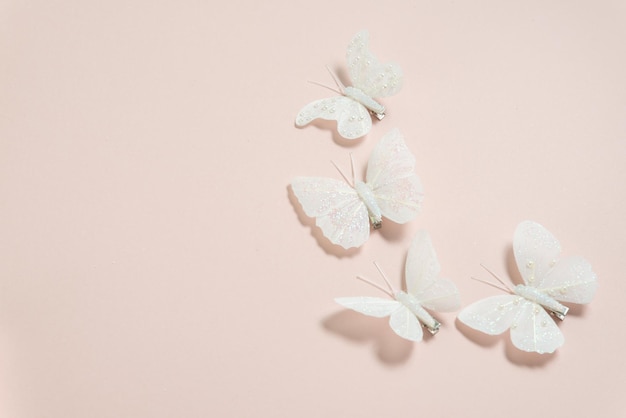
[[547, 280], [424, 291], [370, 78], [343, 211]]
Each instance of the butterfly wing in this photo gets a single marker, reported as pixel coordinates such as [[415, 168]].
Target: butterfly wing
[[370, 306], [492, 315], [391, 176], [402, 321], [336, 207], [353, 119], [571, 280], [368, 73], [422, 277], [536, 252], [533, 329]]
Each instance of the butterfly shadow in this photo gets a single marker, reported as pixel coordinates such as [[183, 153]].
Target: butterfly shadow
[[523, 358], [328, 247], [358, 328], [392, 231], [475, 336]]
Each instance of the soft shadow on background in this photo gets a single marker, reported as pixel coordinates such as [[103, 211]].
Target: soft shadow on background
[[523, 358], [390, 348]]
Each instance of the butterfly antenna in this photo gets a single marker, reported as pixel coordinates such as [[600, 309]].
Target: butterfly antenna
[[491, 284], [325, 86], [377, 286], [342, 175], [497, 278], [338, 82], [352, 168], [384, 278]]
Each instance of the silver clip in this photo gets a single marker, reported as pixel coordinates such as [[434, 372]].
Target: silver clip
[[435, 328], [560, 314]]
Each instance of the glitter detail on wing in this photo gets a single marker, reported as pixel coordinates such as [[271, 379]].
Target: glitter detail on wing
[[338, 210], [353, 119], [368, 73], [391, 176]]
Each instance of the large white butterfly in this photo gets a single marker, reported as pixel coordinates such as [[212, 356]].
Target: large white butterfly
[[424, 291], [370, 79], [547, 280], [343, 211]]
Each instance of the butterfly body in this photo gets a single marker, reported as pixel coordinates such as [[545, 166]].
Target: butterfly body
[[372, 105], [413, 305], [369, 200], [535, 295]]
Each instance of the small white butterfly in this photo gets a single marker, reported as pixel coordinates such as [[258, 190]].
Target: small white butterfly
[[547, 280], [343, 211], [370, 78], [424, 291]]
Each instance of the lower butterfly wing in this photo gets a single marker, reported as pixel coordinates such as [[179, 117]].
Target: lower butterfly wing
[[391, 176], [571, 280], [422, 277], [404, 323], [336, 207], [370, 306], [492, 315], [368, 73], [536, 252], [353, 119], [533, 330]]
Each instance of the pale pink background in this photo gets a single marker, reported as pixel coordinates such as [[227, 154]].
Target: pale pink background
[[152, 263]]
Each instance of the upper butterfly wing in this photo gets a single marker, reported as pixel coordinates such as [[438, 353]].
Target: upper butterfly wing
[[537, 255], [571, 280], [533, 329], [368, 73], [536, 252], [337, 209], [422, 277], [353, 119], [391, 176]]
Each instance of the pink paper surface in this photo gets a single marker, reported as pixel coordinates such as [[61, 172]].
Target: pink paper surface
[[153, 262]]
